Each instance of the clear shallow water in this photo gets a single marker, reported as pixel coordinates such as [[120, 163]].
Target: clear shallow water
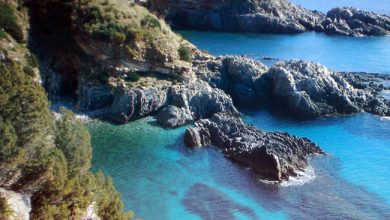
[[160, 178], [379, 6], [369, 54]]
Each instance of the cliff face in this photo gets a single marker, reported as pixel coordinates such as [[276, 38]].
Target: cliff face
[[268, 16], [276, 16]]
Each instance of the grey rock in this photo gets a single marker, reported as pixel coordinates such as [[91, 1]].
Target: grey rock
[[307, 90], [194, 101], [276, 156], [355, 22], [130, 104]]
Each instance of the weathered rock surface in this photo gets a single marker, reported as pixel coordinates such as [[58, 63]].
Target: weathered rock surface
[[268, 16], [236, 75], [276, 156], [355, 22], [194, 101], [130, 104], [308, 90]]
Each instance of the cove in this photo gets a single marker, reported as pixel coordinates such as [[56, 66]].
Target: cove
[[160, 178]]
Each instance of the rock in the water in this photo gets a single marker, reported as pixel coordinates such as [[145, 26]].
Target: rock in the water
[[355, 22], [130, 104], [194, 101], [276, 156]]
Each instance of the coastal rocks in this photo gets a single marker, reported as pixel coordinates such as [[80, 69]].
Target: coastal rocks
[[266, 16], [354, 22], [308, 90], [275, 156], [194, 101], [277, 16], [130, 104]]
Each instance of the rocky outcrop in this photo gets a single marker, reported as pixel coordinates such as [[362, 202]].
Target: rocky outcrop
[[130, 104], [275, 156], [276, 16], [268, 16], [236, 75], [354, 22], [18, 203], [308, 90], [194, 101]]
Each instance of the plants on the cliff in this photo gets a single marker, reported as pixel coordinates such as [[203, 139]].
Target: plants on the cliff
[[132, 77], [3, 35], [185, 53], [110, 31], [29, 70], [8, 22], [150, 22], [5, 210]]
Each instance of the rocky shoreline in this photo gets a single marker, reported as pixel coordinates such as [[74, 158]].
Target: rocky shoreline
[[265, 16]]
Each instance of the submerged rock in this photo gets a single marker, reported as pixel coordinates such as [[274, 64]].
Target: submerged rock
[[276, 156]]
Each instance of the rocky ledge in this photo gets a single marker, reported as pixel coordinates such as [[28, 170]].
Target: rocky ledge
[[266, 16], [275, 156]]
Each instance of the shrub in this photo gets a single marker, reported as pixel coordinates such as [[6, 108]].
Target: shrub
[[133, 77], [150, 22], [5, 210], [185, 53], [32, 60], [3, 35], [29, 70], [8, 22], [110, 31]]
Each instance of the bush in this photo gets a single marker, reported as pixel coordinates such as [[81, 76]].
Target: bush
[[110, 31], [150, 22], [5, 210], [8, 22], [29, 70], [185, 53], [133, 77], [32, 60], [3, 35]]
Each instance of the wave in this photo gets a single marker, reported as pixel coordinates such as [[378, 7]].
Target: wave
[[302, 177]]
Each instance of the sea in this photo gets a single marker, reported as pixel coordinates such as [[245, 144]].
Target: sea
[[160, 178]]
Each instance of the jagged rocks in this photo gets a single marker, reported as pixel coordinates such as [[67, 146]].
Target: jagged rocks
[[194, 101], [354, 22], [276, 156], [307, 90]]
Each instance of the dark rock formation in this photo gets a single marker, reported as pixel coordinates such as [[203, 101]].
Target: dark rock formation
[[268, 16], [308, 90], [276, 156], [354, 22], [194, 101], [276, 16]]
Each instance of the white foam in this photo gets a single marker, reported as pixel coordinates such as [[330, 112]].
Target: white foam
[[302, 177]]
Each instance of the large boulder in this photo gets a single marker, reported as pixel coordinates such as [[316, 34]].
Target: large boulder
[[194, 101], [276, 156]]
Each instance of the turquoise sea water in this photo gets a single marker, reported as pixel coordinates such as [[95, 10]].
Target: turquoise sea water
[[160, 178]]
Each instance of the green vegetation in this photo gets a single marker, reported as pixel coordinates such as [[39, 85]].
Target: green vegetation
[[150, 22], [28, 70], [3, 35], [5, 210], [55, 156], [185, 53], [8, 22], [32, 60], [133, 77]]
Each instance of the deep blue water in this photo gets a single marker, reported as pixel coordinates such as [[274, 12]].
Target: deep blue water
[[340, 53], [160, 178], [379, 6]]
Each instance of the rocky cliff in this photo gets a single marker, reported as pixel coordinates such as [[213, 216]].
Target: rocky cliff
[[268, 16]]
